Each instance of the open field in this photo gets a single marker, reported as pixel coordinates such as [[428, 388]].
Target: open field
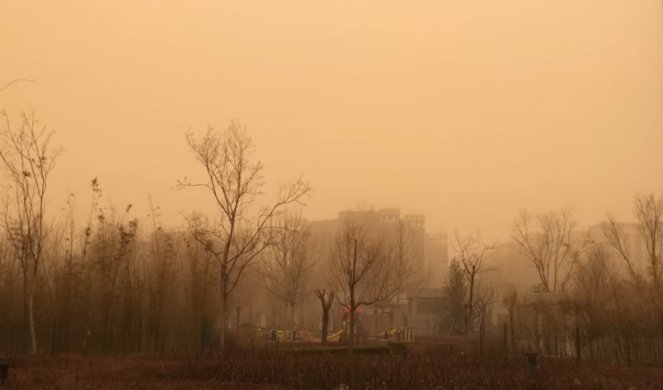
[[296, 370]]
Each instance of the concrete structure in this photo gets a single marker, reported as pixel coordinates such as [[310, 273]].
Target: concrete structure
[[425, 311], [436, 255]]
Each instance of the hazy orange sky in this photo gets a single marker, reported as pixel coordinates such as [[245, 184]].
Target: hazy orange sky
[[465, 111]]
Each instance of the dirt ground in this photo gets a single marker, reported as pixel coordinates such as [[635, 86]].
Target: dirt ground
[[324, 371]]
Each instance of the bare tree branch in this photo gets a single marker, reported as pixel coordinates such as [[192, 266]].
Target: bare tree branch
[[235, 239], [552, 245], [16, 81]]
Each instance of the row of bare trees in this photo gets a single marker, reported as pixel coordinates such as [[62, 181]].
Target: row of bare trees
[[118, 281], [599, 295], [596, 295], [105, 286]]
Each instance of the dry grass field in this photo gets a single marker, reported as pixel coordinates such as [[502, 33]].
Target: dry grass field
[[318, 370]]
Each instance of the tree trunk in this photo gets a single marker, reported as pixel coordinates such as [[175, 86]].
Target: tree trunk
[[238, 311], [25, 321], [223, 328], [351, 332], [506, 341], [353, 285], [481, 334], [223, 314], [31, 321], [325, 324], [513, 332], [578, 351], [470, 302]]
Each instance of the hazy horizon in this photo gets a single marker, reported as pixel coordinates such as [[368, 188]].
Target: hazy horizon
[[466, 113]]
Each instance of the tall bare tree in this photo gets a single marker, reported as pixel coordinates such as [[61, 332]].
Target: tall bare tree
[[471, 255], [233, 179], [649, 212], [288, 262], [552, 244], [362, 273], [27, 159]]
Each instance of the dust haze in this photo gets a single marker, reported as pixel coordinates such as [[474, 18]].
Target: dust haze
[[332, 172], [466, 113]]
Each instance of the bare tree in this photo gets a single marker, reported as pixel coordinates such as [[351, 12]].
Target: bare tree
[[552, 244], [649, 212], [326, 301], [486, 297], [234, 238], [27, 159], [471, 255], [288, 262], [362, 273], [594, 282]]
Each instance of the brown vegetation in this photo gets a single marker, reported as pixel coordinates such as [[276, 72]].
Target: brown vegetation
[[290, 370]]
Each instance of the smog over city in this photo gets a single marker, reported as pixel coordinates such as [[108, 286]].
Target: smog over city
[[331, 195]]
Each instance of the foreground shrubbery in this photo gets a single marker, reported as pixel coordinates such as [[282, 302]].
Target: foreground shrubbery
[[293, 370]]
